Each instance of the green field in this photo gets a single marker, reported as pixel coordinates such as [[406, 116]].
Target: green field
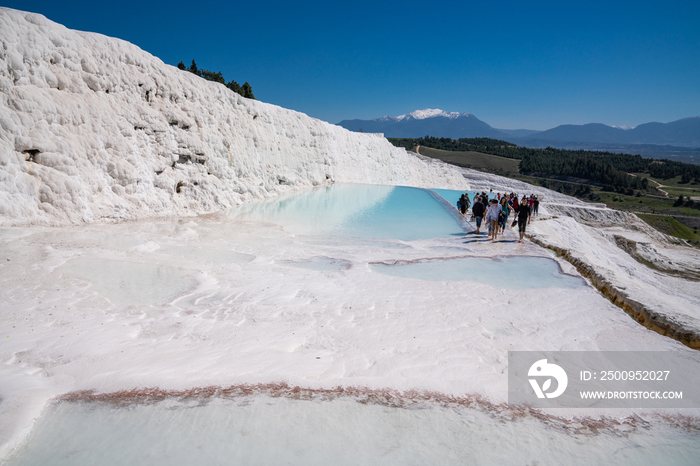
[[674, 187], [475, 160], [671, 226], [644, 204]]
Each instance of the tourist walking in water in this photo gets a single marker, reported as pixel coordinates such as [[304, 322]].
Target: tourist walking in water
[[523, 218], [505, 213], [478, 211], [492, 218], [463, 204]]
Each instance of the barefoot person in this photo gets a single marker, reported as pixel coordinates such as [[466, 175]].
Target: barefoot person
[[478, 211], [463, 204], [523, 218], [505, 212], [492, 218]]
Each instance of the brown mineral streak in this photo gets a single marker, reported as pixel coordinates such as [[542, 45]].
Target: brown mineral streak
[[411, 399]]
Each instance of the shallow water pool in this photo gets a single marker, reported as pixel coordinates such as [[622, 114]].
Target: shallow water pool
[[267, 430], [511, 272], [370, 211]]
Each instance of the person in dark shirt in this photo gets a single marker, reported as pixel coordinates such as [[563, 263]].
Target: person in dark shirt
[[523, 218], [463, 204], [478, 211]]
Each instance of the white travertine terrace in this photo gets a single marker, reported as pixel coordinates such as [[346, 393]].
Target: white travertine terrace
[[93, 128]]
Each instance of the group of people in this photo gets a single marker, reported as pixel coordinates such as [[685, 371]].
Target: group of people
[[496, 211]]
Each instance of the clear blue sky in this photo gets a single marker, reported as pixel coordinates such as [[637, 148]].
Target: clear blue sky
[[513, 64]]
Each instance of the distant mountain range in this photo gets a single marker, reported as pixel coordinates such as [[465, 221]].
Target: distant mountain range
[[433, 122], [649, 139], [682, 133]]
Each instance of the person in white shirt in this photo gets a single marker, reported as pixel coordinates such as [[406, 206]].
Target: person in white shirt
[[492, 217]]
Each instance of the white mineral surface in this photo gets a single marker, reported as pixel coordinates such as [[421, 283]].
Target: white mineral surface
[[119, 268], [93, 129]]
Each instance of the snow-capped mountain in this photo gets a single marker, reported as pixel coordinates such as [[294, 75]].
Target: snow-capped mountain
[[430, 113], [433, 122]]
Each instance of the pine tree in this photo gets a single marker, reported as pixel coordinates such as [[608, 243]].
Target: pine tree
[[234, 86], [247, 91], [211, 76], [193, 68]]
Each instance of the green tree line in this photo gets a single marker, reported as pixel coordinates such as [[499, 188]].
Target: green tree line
[[459, 145], [586, 166], [245, 90]]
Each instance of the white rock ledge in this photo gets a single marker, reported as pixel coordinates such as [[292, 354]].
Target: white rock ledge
[[96, 129]]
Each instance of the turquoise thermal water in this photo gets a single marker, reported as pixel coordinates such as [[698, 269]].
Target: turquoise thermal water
[[511, 273], [264, 430], [370, 211], [452, 196], [399, 213]]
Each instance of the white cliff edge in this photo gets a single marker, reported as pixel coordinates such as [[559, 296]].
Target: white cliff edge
[[96, 129]]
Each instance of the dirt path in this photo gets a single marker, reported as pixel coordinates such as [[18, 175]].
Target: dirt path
[[659, 186]]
